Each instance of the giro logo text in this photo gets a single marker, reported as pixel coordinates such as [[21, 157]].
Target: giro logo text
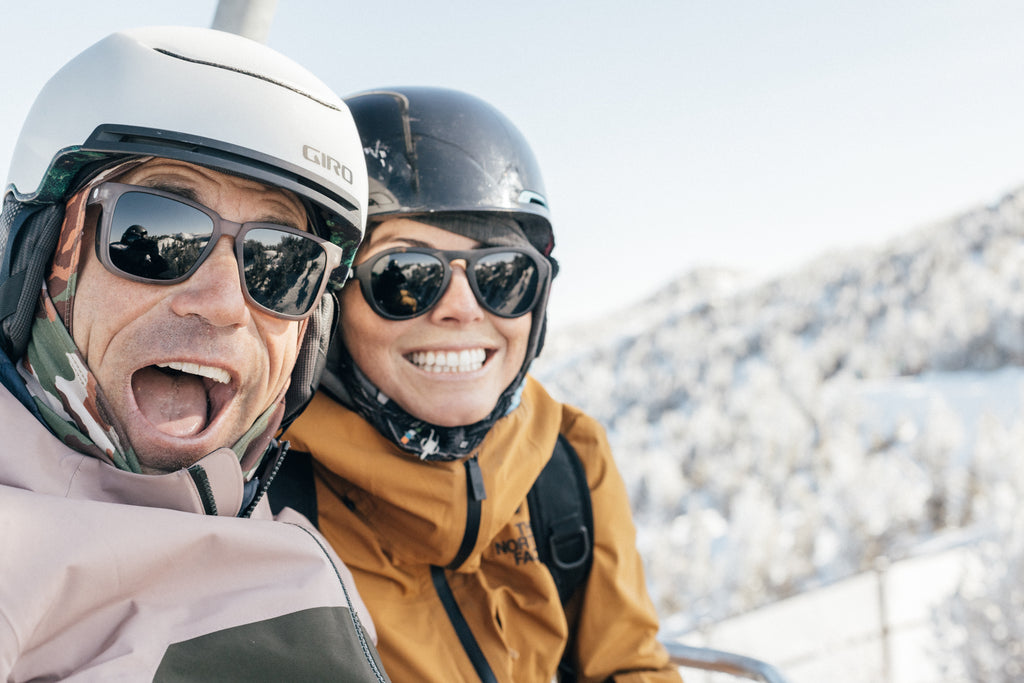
[[328, 162]]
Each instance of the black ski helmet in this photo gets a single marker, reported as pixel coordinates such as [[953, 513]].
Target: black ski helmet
[[434, 150], [198, 95], [432, 153]]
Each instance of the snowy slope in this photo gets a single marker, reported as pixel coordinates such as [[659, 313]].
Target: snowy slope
[[781, 435]]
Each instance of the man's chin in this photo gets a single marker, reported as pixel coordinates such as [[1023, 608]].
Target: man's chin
[[154, 459], [159, 453], [164, 468]]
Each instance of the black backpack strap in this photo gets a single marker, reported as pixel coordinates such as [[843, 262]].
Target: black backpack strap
[[295, 487], [562, 519]]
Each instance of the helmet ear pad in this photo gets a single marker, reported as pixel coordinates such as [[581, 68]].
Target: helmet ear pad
[[31, 231], [312, 358]]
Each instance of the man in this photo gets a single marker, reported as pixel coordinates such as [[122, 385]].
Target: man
[[142, 389]]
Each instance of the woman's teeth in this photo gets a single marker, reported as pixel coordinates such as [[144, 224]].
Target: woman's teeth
[[466, 360]]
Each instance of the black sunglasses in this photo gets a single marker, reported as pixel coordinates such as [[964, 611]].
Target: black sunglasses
[[405, 282], [157, 237]]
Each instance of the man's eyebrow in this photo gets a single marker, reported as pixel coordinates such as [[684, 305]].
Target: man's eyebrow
[[174, 188], [281, 220]]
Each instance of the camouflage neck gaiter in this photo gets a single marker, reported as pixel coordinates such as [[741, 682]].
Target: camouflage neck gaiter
[[64, 389]]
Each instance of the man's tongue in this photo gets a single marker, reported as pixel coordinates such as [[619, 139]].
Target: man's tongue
[[174, 402]]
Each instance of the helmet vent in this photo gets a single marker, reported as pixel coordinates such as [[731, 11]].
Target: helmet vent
[[529, 197], [261, 77]]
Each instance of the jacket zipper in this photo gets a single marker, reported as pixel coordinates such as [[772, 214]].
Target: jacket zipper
[[475, 495], [272, 462]]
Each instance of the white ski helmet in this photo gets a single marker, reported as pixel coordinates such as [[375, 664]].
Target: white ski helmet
[[197, 95]]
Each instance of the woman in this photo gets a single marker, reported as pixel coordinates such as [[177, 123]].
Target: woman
[[428, 434]]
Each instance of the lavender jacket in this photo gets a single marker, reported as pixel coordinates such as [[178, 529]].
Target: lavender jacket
[[107, 575]]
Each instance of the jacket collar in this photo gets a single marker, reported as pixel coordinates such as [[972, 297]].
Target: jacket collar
[[34, 459], [418, 508]]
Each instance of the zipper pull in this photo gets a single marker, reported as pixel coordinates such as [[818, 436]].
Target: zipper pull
[[475, 480], [475, 493]]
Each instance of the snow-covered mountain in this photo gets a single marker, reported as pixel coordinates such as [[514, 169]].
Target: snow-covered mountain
[[782, 434]]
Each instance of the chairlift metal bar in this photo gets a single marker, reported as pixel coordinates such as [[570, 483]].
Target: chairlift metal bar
[[724, 662]]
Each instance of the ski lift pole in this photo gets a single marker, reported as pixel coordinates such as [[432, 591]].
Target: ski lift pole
[[248, 18], [724, 662]]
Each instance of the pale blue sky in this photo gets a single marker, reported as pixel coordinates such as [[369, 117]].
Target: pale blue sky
[[671, 134]]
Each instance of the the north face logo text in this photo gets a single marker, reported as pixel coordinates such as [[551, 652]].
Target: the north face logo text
[[521, 546]]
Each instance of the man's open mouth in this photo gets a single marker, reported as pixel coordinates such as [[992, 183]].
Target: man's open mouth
[[181, 399]]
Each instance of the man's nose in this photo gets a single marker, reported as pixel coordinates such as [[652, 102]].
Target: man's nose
[[214, 291]]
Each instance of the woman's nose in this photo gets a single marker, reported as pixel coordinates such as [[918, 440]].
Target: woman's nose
[[458, 302]]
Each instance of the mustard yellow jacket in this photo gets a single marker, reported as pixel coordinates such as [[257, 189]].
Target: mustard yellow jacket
[[390, 517]]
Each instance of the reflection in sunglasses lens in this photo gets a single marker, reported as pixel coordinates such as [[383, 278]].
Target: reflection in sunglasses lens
[[404, 284], [507, 282], [283, 271], [155, 237]]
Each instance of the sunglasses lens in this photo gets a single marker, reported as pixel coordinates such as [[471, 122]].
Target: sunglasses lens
[[507, 283], [405, 284], [283, 271], [155, 237]]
